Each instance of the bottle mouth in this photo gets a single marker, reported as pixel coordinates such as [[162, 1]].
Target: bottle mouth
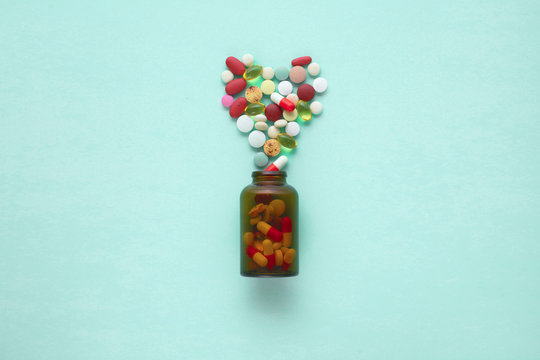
[[269, 174]]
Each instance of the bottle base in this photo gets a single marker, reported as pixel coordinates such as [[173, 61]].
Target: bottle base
[[268, 275]]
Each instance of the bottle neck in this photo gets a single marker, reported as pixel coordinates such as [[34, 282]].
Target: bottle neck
[[269, 177]]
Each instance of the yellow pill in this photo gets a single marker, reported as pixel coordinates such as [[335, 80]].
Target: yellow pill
[[268, 87], [255, 109], [277, 246], [267, 247], [287, 239], [260, 259], [283, 250], [303, 110], [279, 206], [248, 238], [253, 72], [289, 256], [290, 115], [268, 213], [254, 221], [257, 244], [279, 258]]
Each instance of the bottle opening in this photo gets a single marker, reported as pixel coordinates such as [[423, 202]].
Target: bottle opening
[[269, 176]]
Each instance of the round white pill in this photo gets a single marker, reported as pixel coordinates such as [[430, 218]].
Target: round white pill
[[256, 138], [260, 117], [320, 84], [293, 97], [244, 123], [247, 59], [268, 73], [315, 107], [285, 88], [292, 128], [261, 125], [227, 76], [280, 123], [273, 132], [314, 69]]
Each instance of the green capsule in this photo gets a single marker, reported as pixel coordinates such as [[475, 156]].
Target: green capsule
[[255, 109], [287, 141], [303, 110], [252, 72]]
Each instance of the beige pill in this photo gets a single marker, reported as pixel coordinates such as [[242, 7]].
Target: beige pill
[[297, 74], [279, 258], [268, 214], [260, 259], [254, 221], [277, 246], [290, 115], [268, 87], [272, 147], [248, 238], [267, 247], [254, 94], [279, 206], [289, 256]]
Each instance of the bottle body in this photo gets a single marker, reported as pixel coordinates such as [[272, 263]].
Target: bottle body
[[269, 227]]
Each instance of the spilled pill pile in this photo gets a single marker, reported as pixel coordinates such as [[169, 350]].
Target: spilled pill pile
[[271, 104]]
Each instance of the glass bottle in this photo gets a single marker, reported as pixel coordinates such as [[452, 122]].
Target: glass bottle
[[269, 226]]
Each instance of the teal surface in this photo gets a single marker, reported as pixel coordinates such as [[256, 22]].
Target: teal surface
[[120, 175]]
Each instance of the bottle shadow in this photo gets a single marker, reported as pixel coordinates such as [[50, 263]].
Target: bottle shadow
[[274, 295]]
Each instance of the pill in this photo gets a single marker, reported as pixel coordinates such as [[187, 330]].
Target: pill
[[297, 74], [288, 259], [261, 125], [235, 65], [276, 246], [268, 214], [253, 94], [282, 102], [235, 86], [292, 128], [314, 69], [286, 229], [279, 206], [278, 164], [320, 84], [281, 73], [267, 73], [285, 88], [273, 132], [248, 238], [268, 252], [256, 210], [253, 72], [273, 112], [315, 107], [276, 222], [227, 100], [268, 87], [260, 159], [280, 123], [263, 198], [255, 220], [256, 256], [238, 107], [303, 110], [305, 92], [287, 141], [247, 59], [260, 117], [283, 250], [290, 115], [270, 231], [255, 109], [272, 147], [257, 244], [293, 98], [244, 123], [279, 257], [227, 76], [301, 61], [256, 138]]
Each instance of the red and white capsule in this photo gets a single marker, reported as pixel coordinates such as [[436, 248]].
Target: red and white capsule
[[284, 103], [278, 164]]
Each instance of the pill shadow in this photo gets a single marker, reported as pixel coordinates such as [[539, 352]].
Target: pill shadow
[[273, 295]]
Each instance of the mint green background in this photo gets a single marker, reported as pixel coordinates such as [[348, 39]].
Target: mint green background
[[120, 174]]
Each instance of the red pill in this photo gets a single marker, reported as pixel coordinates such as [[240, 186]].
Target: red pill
[[263, 198], [305, 92], [235, 86], [301, 61], [238, 107], [273, 112], [235, 65]]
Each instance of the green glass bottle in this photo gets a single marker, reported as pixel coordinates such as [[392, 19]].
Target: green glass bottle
[[269, 226]]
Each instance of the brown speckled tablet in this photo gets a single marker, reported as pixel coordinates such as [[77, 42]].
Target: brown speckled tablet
[[272, 147], [297, 74], [253, 94]]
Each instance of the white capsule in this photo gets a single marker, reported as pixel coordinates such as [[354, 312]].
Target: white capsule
[[244, 123], [292, 128], [273, 132], [267, 73], [227, 76], [314, 69], [247, 59], [256, 138], [285, 88], [293, 97], [276, 98], [320, 84], [315, 107], [280, 123], [261, 125]]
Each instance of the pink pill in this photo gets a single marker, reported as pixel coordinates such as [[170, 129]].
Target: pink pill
[[227, 100]]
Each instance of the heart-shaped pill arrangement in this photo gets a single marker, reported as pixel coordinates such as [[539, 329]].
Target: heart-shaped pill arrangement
[[274, 125]]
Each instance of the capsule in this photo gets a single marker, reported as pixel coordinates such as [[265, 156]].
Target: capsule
[[286, 229], [287, 141], [279, 258], [268, 252], [303, 110], [288, 258], [284, 103], [253, 72], [248, 238], [271, 232], [256, 256], [255, 109]]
